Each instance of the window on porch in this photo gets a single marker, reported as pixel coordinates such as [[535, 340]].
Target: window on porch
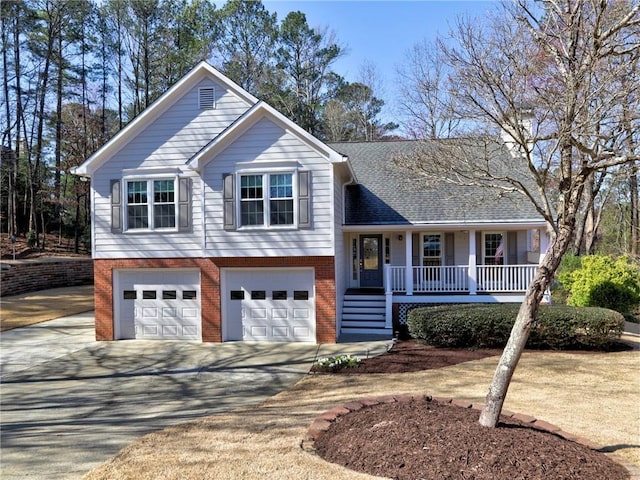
[[432, 250], [493, 249]]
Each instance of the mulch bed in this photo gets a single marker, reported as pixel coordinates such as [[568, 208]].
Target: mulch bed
[[428, 440], [414, 356]]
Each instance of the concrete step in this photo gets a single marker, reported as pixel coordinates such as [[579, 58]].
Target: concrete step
[[362, 324], [367, 331], [360, 298], [375, 310]]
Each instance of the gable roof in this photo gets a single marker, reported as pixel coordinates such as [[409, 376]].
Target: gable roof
[[251, 117], [154, 110], [386, 194]]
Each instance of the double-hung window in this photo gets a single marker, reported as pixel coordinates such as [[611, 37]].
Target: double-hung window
[[493, 249], [251, 200], [431, 257], [281, 199], [151, 204], [266, 199], [432, 250]]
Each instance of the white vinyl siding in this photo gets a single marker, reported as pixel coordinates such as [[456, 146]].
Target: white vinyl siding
[[167, 142], [264, 145]]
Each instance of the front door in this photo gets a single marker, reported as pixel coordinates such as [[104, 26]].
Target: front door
[[371, 260]]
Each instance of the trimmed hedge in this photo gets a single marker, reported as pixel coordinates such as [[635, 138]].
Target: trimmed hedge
[[489, 326]]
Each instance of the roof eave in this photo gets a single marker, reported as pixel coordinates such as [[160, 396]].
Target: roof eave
[[475, 225], [91, 164], [249, 118]]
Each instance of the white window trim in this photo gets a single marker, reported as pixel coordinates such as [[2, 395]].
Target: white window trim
[[149, 179], [422, 257], [504, 245], [266, 198]]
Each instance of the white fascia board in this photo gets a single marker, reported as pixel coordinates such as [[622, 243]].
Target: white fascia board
[[250, 118], [329, 153], [153, 111], [523, 224]]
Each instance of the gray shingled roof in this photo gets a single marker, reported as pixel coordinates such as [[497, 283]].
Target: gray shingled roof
[[387, 195]]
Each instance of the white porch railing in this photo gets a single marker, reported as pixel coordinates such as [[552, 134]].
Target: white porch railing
[[396, 279], [441, 279], [505, 278], [456, 279]]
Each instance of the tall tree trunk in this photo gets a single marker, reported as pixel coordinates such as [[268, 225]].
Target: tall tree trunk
[[120, 67], [5, 18], [57, 189], [34, 182], [19, 110], [570, 198], [635, 211], [634, 214]]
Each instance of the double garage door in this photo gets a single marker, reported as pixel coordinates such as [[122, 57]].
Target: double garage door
[[269, 305], [257, 305], [158, 304]]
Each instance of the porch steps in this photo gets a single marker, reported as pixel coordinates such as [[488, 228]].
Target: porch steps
[[364, 314]]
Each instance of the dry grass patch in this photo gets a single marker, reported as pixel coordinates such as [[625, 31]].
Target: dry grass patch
[[591, 395], [37, 307]]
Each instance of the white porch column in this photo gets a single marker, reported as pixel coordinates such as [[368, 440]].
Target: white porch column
[[388, 298], [544, 244], [473, 270], [408, 259]]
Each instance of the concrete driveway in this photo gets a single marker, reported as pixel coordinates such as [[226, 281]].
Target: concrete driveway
[[69, 403]]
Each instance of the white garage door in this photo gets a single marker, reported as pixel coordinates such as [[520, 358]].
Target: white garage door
[[158, 304], [269, 305]]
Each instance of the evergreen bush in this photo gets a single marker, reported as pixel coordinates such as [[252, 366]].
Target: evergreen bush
[[489, 326], [602, 281]]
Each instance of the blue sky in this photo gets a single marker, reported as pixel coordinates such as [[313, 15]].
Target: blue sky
[[380, 31]]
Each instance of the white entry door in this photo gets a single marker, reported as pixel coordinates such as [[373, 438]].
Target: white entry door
[[269, 305], [158, 304]]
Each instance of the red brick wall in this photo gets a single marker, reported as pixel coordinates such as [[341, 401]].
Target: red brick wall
[[210, 289]]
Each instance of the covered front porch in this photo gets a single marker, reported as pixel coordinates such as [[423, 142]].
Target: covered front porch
[[392, 272]]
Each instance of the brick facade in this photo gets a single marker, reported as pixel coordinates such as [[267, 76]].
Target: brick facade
[[210, 293]]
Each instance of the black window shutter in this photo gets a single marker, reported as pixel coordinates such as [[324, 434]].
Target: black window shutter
[[304, 199], [184, 204], [116, 206], [228, 198], [449, 249], [512, 248]]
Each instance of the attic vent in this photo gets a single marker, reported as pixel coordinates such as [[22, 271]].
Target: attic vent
[[205, 98]]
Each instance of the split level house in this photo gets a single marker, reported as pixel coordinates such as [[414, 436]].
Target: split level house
[[215, 218]]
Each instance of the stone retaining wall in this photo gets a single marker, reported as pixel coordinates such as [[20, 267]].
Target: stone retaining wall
[[23, 276]]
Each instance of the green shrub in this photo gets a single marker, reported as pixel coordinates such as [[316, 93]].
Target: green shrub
[[568, 265], [602, 281], [32, 239], [337, 362], [489, 326]]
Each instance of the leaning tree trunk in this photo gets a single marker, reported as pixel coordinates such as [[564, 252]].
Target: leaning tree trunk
[[522, 327]]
